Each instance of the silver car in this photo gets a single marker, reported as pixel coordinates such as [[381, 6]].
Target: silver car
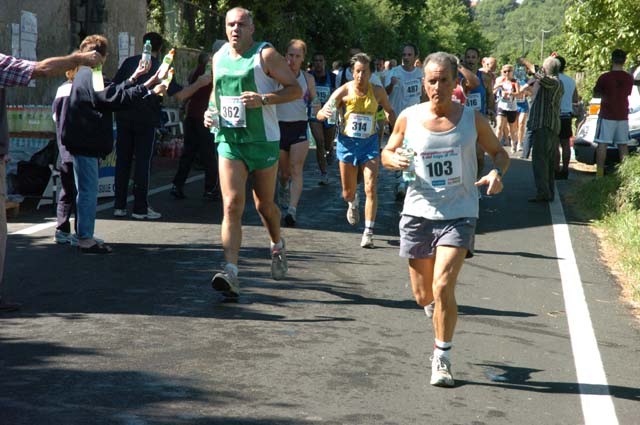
[[584, 145]]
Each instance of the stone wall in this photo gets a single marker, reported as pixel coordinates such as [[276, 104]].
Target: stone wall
[[58, 34]]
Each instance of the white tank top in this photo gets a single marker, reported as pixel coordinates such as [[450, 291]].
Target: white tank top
[[445, 168], [296, 110]]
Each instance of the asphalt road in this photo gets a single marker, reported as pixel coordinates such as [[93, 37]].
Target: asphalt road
[[139, 337]]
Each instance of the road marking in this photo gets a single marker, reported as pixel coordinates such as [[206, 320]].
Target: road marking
[[102, 207], [597, 405]]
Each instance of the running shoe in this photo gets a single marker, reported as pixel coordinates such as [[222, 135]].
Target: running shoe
[[227, 283], [353, 212], [428, 309], [367, 240], [441, 372], [324, 179], [284, 196], [290, 218], [279, 266], [119, 212], [150, 215], [63, 237], [330, 158], [71, 238]]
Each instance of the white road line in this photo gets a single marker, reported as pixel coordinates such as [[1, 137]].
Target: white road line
[[597, 405], [102, 207]]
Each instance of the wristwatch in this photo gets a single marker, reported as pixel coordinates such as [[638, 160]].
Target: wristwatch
[[498, 171], [264, 99]]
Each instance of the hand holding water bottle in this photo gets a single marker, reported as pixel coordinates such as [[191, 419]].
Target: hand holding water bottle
[[212, 118], [329, 112], [405, 161]]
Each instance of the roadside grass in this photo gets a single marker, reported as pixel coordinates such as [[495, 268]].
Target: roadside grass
[[612, 203]]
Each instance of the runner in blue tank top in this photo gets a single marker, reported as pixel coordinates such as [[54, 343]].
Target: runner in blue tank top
[[478, 99]]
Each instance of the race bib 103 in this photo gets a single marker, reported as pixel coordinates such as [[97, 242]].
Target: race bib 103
[[441, 167]]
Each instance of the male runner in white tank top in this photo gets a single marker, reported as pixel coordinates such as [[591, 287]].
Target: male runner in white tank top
[[441, 206]]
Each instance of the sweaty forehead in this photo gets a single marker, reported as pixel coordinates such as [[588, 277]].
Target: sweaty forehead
[[359, 66], [237, 16], [435, 70]]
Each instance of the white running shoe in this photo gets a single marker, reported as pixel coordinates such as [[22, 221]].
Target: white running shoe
[[353, 212], [63, 237], [227, 283], [119, 212], [279, 265], [428, 309], [367, 240], [441, 372], [150, 215]]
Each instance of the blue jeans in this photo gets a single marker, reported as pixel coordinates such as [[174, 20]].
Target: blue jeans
[[85, 169]]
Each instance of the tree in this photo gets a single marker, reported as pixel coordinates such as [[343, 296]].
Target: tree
[[516, 29], [594, 28]]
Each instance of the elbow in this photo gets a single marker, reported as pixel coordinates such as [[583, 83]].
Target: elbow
[[297, 92]]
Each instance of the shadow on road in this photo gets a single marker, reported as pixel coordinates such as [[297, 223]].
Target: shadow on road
[[519, 378]]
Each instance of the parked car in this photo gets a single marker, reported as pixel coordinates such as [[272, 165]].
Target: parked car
[[584, 145]]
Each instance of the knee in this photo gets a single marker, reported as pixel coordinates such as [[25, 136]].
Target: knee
[[370, 189], [443, 290], [423, 299], [296, 170], [265, 207], [348, 194], [285, 174], [233, 206]]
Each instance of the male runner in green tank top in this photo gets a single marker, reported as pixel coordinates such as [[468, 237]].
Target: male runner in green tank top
[[249, 79]]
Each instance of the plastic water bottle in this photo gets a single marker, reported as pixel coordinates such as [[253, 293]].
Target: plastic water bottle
[[167, 79], [334, 112], [146, 52], [215, 117], [409, 173], [97, 79]]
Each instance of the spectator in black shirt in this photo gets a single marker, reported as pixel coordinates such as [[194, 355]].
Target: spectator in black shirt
[[136, 128]]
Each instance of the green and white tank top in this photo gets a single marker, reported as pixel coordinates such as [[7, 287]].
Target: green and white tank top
[[234, 76]]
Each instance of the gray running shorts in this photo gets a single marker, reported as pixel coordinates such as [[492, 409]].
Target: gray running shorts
[[419, 236]]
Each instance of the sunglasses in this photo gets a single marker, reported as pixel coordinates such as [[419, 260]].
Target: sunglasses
[[506, 71]]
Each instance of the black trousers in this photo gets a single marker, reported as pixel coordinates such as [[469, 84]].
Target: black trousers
[[138, 140], [66, 199], [198, 141]]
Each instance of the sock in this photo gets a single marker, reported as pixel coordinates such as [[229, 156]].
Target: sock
[[231, 268], [599, 172], [291, 210], [368, 226], [276, 246], [442, 349]]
